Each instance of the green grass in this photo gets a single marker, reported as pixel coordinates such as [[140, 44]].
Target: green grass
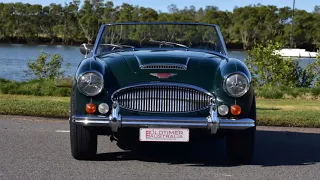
[[288, 112], [270, 112], [283, 92], [33, 87], [47, 106]]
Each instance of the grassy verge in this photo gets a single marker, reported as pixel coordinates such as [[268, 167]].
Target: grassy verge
[[283, 92], [270, 112], [288, 112], [33, 87], [47, 106]]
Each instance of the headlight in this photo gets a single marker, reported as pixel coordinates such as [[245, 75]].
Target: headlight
[[90, 83], [237, 85]]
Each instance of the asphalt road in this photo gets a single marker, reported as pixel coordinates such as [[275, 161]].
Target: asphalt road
[[39, 149]]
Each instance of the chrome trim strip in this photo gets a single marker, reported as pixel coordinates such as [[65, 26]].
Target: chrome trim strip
[[92, 123], [239, 124], [164, 124], [223, 43], [137, 121], [217, 28], [164, 119]]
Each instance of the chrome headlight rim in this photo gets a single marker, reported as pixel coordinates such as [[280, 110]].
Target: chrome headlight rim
[[235, 73], [87, 72]]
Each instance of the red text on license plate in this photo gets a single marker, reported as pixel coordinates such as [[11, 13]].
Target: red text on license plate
[[164, 134]]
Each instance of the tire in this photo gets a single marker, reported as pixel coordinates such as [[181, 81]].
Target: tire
[[83, 140], [241, 143]]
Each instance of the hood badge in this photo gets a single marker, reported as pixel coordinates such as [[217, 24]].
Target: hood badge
[[163, 75]]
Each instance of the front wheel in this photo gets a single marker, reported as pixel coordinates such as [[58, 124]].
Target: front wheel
[[241, 143], [84, 142]]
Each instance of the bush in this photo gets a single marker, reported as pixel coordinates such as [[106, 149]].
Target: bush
[[42, 69], [270, 93], [316, 66], [35, 87], [315, 91]]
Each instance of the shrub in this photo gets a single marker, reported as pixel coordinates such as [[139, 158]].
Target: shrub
[[316, 66], [270, 93], [315, 91], [33, 87], [42, 69]]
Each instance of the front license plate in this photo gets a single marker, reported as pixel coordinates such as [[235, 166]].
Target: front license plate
[[164, 135]]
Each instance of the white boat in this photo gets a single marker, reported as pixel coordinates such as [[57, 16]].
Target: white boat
[[299, 53]]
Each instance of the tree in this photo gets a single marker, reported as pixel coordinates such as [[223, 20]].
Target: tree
[[110, 13], [69, 23], [88, 21], [316, 27], [42, 69]]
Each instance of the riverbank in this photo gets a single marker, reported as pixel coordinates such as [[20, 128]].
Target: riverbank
[[270, 112], [48, 42], [41, 41]]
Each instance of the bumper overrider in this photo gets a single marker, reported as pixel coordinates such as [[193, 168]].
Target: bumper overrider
[[116, 121]]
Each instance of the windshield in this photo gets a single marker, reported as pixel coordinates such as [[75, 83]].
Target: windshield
[[130, 37]]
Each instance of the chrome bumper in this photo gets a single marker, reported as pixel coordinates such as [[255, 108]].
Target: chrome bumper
[[116, 121]]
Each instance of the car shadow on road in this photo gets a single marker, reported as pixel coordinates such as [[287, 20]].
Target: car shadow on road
[[273, 148]]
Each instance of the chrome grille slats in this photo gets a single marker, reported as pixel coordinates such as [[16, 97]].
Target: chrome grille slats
[[163, 98], [164, 66]]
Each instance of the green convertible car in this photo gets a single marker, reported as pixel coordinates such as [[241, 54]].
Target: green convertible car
[[161, 82]]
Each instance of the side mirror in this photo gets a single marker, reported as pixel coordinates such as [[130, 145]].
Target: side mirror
[[85, 49]]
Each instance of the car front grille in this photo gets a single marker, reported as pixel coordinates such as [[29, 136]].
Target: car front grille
[[163, 98]]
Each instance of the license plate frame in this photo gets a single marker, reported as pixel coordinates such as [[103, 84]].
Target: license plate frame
[[164, 134]]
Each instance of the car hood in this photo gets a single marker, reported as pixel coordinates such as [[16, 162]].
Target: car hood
[[189, 67]]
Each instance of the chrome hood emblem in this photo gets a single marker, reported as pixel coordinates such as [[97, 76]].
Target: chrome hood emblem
[[163, 75]]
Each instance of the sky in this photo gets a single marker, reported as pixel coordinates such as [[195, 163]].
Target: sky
[[161, 5]]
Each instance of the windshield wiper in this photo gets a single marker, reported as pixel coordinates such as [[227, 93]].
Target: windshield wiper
[[118, 46], [169, 43], [115, 46]]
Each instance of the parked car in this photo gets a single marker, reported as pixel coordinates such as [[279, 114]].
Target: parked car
[[161, 82]]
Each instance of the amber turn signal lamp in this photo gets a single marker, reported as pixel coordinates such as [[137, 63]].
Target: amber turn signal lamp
[[91, 108], [235, 110]]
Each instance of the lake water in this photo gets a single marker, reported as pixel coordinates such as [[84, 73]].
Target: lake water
[[14, 57]]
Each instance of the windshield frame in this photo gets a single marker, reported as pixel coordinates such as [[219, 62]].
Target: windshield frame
[[223, 44]]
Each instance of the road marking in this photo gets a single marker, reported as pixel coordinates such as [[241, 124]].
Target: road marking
[[228, 175], [63, 131]]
